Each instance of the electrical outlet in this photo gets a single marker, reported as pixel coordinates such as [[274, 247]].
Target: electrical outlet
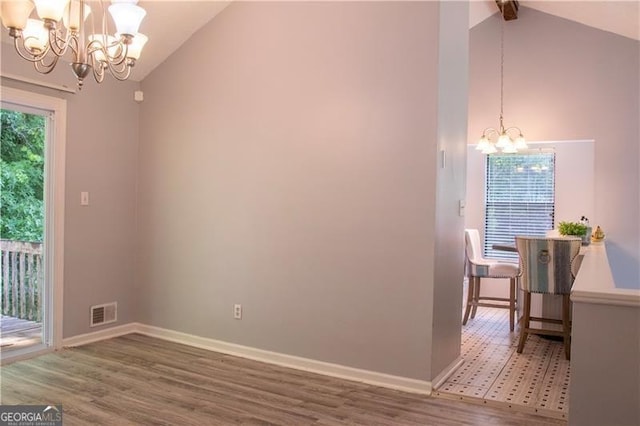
[[237, 311]]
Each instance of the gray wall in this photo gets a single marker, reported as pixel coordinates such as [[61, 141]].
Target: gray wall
[[450, 172], [567, 81], [287, 164], [101, 157]]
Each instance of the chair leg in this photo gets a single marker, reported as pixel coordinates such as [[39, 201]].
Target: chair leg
[[512, 304], [476, 297], [566, 325], [470, 293], [524, 326]]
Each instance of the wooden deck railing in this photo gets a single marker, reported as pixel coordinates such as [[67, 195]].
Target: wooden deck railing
[[21, 279]]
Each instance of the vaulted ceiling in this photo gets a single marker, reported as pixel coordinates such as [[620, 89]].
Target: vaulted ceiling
[[619, 17], [170, 23]]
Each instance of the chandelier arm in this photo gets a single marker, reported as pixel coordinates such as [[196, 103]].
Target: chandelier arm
[[92, 48], [73, 45], [26, 53], [57, 43], [517, 129], [489, 131], [121, 53], [124, 50], [117, 65], [98, 72], [95, 46], [121, 56], [122, 43], [46, 68], [120, 73]]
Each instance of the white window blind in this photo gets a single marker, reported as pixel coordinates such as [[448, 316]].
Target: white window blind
[[519, 199]]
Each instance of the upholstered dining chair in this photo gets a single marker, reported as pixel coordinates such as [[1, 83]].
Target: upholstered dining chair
[[476, 268], [547, 266]]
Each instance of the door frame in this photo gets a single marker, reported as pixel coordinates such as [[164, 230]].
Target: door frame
[[55, 148]]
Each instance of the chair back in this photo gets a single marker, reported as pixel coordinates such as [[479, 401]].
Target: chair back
[[473, 249], [473, 255], [546, 263]]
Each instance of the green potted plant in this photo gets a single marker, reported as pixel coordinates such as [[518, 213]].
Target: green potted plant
[[576, 229]]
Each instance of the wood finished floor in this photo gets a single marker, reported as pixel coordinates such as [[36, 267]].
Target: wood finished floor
[[139, 380]]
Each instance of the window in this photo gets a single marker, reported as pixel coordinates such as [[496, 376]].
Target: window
[[519, 199]]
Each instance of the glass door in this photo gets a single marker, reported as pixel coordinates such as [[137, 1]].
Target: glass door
[[30, 319]]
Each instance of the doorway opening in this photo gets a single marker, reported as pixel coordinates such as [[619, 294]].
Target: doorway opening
[[31, 234], [537, 380], [22, 157]]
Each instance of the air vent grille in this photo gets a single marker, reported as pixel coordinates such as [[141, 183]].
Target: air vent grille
[[104, 314]]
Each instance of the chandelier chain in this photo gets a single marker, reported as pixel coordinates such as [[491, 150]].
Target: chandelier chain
[[508, 140], [502, 68]]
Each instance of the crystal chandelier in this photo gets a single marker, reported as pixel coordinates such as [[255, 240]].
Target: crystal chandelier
[[508, 140], [61, 28]]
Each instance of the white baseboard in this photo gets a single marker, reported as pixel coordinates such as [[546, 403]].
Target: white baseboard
[[290, 361], [107, 333], [328, 369], [447, 372]]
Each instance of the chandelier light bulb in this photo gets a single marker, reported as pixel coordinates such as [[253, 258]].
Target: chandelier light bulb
[[35, 36], [71, 16], [510, 148], [135, 48], [503, 141], [52, 10], [16, 13], [520, 143], [127, 17], [483, 143]]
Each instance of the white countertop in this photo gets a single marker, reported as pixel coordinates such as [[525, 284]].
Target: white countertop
[[594, 282]]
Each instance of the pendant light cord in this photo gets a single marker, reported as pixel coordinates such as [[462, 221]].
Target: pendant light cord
[[507, 143], [502, 67]]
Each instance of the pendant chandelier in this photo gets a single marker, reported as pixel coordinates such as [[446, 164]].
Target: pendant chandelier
[[509, 140], [62, 28]]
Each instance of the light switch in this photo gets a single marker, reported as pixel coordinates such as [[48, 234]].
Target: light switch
[[461, 205], [84, 198]]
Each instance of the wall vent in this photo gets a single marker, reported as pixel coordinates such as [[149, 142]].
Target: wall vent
[[104, 314]]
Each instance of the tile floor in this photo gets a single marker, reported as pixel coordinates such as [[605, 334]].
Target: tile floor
[[535, 381]]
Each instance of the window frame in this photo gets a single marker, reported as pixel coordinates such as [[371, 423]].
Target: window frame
[[494, 234], [55, 111]]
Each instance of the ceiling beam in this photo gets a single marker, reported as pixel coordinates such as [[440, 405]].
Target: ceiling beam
[[510, 11]]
